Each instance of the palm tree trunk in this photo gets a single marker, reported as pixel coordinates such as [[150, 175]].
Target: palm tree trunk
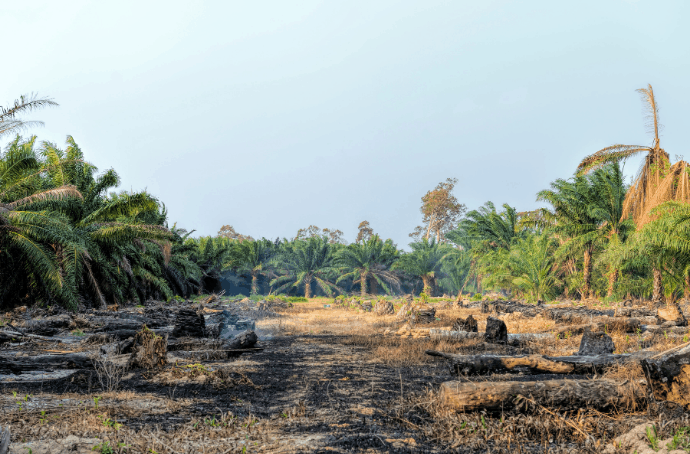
[[374, 286], [255, 282], [427, 284], [363, 283], [613, 277], [587, 274], [686, 287], [307, 287], [459, 297], [658, 287]]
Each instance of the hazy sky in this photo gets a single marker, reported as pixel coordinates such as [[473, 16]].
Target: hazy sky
[[271, 116]]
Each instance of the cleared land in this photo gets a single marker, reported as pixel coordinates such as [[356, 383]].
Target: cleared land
[[329, 379]]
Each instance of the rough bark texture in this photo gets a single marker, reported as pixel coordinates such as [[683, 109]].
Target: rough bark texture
[[596, 343], [607, 324], [668, 375], [565, 394], [426, 315], [148, 350], [686, 288], [20, 364], [587, 274], [246, 339], [428, 285], [4, 440], [535, 364], [48, 326], [496, 331], [189, 323], [307, 287], [384, 307], [658, 286], [613, 277], [672, 313]]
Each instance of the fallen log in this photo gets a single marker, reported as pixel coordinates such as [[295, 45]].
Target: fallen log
[[668, 375], [122, 334], [513, 339], [246, 339], [9, 336], [48, 326], [209, 355], [535, 364], [4, 440], [565, 394], [605, 324], [19, 364]]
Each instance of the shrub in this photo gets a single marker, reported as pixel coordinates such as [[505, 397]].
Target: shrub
[[477, 297], [297, 299]]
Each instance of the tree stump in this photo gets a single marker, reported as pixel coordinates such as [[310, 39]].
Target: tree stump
[[468, 325], [496, 331], [384, 307], [189, 323], [149, 350], [596, 343], [668, 375], [426, 315]]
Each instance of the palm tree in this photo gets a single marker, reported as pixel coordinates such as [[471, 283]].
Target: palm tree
[[425, 261], [531, 266], [369, 261], [253, 257], [655, 168], [485, 231], [485, 224], [307, 261], [573, 221], [456, 269], [607, 207], [10, 122]]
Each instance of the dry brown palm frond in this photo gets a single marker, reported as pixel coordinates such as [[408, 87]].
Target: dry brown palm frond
[[675, 186], [652, 111], [52, 194], [610, 154], [638, 199]]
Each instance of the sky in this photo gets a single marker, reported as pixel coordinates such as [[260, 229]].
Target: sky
[[272, 116]]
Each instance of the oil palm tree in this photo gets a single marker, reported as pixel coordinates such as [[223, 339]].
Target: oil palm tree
[[607, 207], [10, 121], [368, 263], [253, 257], [531, 265], [308, 261], [425, 261], [653, 171], [573, 222]]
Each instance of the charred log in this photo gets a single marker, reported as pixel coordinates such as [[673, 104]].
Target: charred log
[[564, 394]]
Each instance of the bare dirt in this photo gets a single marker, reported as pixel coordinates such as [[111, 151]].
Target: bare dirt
[[328, 380]]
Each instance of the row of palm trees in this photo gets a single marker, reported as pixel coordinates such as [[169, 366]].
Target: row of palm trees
[[66, 238]]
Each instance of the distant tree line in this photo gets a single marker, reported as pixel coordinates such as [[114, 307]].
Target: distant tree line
[[66, 238]]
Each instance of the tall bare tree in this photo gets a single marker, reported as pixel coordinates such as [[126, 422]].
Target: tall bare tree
[[441, 211]]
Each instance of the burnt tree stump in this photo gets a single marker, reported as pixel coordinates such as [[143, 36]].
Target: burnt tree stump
[[189, 323], [496, 331], [596, 343]]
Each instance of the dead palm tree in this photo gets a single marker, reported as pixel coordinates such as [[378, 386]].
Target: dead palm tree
[[642, 195]]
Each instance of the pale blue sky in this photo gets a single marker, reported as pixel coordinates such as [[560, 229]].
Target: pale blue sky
[[272, 116]]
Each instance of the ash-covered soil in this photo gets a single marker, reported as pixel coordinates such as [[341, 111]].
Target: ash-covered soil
[[312, 389]]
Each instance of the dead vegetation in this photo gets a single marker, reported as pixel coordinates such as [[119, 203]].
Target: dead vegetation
[[349, 378]]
